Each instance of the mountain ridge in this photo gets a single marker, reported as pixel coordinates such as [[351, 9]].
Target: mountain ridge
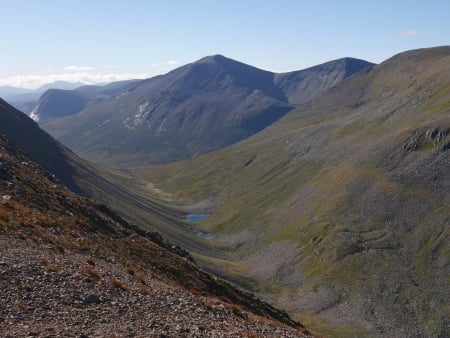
[[297, 88], [181, 114]]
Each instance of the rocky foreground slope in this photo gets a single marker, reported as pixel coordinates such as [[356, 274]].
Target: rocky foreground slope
[[71, 268]]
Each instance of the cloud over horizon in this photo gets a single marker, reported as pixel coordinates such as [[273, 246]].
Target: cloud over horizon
[[85, 74], [33, 81], [409, 33], [78, 68], [164, 67]]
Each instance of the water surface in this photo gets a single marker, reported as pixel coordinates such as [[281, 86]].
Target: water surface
[[196, 217], [207, 235]]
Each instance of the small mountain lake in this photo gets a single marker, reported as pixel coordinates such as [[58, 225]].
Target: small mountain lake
[[207, 235], [196, 217]]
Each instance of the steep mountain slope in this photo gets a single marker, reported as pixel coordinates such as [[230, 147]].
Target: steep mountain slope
[[340, 209], [64, 257], [20, 129], [194, 109]]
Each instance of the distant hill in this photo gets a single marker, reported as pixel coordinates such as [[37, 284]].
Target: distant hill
[[25, 99], [7, 91], [59, 85], [194, 109], [55, 103], [340, 209]]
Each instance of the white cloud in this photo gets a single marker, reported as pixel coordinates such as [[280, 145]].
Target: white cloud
[[85, 74], [78, 68], [171, 63], [33, 81], [409, 33], [108, 66], [164, 66]]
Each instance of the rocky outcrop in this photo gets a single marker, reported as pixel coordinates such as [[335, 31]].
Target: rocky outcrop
[[426, 138]]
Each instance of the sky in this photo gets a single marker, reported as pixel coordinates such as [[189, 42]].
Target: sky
[[98, 41]]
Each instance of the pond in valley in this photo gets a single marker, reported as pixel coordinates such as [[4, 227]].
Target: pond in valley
[[207, 235], [198, 218]]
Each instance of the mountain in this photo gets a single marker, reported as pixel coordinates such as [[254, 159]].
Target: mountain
[[67, 258], [55, 103], [25, 99], [59, 85], [194, 109], [10, 92], [339, 211]]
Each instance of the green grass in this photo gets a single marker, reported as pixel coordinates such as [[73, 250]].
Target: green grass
[[348, 129]]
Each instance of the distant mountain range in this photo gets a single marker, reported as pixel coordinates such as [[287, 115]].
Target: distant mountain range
[[55, 103], [194, 109], [10, 92], [25, 99]]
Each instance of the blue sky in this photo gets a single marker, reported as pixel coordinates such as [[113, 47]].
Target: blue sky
[[105, 40]]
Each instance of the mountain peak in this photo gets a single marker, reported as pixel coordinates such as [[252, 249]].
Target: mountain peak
[[353, 65], [228, 64], [213, 58]]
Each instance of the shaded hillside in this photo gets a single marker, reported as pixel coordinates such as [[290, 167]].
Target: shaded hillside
[[194, 109], [79, 264], [58, 103], [340, 210], [24, 132]]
